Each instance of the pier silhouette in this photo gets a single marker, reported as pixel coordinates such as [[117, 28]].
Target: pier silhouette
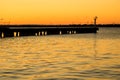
[[38, 30]]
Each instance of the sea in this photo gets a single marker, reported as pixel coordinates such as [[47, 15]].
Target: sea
[[93, 56]]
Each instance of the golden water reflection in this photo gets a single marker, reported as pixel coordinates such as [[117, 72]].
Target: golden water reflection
[[60, 57]]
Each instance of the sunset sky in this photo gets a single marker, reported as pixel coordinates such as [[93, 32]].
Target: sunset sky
[[59, 11]]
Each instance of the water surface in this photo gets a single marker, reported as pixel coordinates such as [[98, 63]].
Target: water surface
[[62, 57]]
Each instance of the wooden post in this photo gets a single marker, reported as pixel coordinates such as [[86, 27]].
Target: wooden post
[[2, 35]]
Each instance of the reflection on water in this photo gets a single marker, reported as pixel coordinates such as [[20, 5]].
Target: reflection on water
[[62, 57]]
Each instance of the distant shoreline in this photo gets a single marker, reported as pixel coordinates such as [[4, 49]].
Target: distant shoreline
[[60, 25]]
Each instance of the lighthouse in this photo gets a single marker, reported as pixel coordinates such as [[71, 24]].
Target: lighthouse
[[95, 20]]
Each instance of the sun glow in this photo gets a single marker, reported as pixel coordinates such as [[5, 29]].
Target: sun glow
[[59, 11]]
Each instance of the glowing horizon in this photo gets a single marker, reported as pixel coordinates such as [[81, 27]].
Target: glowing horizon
[[59, 11]]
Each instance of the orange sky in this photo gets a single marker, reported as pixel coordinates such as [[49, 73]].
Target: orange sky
[[59, 11]]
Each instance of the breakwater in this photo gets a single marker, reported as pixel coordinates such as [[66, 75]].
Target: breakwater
[[38, 30]]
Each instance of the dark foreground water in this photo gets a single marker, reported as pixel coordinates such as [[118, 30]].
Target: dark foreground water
[[62, 57]]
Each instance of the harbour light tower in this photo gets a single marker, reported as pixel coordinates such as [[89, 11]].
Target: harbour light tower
[[95, 20]]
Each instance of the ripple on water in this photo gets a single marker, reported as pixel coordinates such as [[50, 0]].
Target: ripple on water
[[64, 57], [96, 73]]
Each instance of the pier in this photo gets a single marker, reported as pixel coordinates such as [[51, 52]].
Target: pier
[[42, 30]]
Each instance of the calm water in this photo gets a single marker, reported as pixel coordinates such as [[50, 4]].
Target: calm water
[[62, 57]]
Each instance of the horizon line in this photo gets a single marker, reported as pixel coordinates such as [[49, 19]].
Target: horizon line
[[66, 24]]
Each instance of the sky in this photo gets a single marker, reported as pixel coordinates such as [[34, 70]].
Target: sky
[[59, 11]]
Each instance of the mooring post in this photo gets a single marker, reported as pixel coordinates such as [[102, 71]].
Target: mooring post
[[2, 35], [15, 34], [45, 32], [18, 34], [74, 32], [36, 34], [39, 33], [60, 32]]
